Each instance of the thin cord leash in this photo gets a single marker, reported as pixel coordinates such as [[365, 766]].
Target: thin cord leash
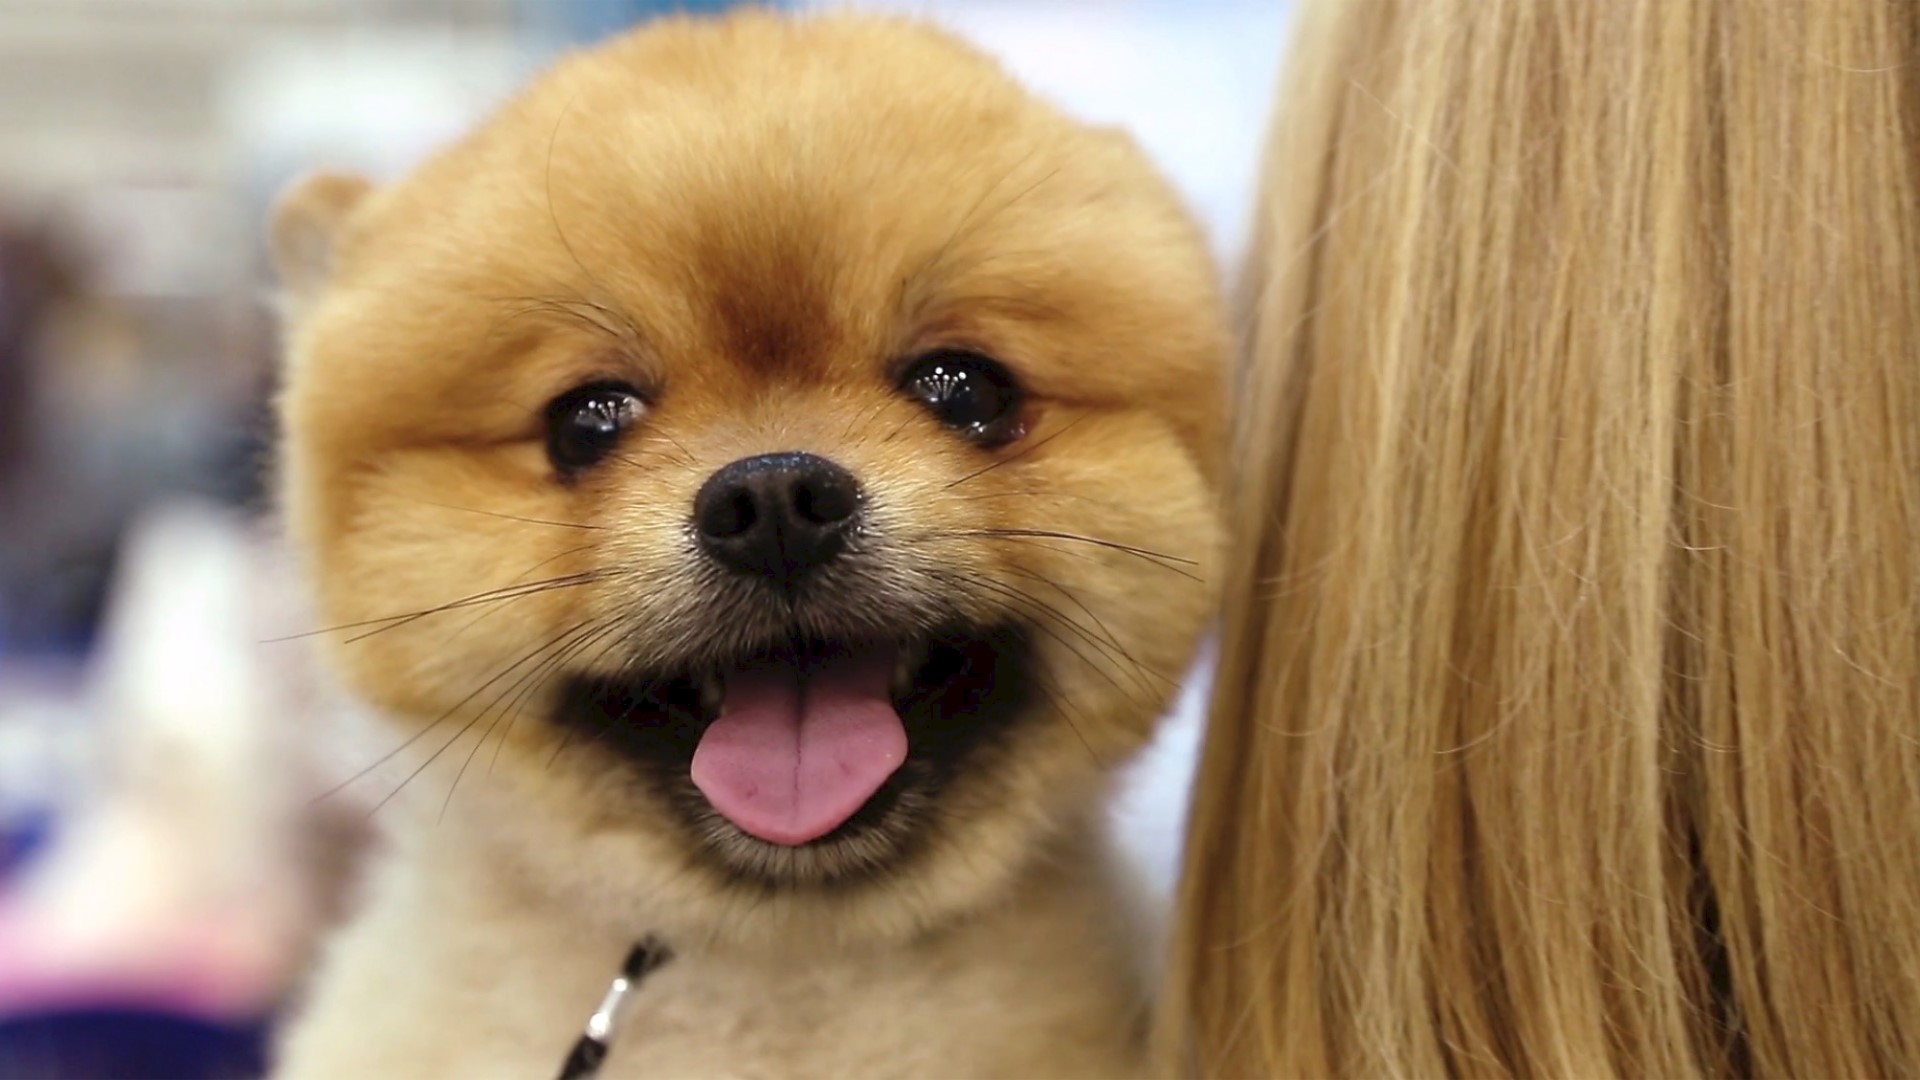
[[591, 1048]]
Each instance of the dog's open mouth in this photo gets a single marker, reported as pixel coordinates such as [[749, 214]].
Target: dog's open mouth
[[796, 742], [810, 742]]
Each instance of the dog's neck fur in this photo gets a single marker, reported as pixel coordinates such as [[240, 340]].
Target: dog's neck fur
[[1032, 980]]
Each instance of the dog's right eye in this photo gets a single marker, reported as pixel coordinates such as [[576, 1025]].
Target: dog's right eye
[[971, 393], [585, 424]]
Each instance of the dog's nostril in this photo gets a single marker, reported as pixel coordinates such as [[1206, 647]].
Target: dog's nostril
[[730, 516], [823, 500], [776, 515]]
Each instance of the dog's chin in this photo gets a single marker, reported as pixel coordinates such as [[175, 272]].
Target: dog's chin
[[958, 692]]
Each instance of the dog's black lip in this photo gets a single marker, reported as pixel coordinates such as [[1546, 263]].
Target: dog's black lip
[[973, 683], [680, 691]]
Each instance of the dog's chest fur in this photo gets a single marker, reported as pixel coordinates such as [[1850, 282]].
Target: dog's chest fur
[[898, 1018], [442, 980]]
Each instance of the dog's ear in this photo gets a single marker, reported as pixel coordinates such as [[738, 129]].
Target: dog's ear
[[305, 228]]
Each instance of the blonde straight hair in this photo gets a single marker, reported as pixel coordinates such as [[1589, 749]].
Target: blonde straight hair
[[1568, 717]]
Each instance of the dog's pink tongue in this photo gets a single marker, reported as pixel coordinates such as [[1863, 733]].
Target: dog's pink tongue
[[792, 756]]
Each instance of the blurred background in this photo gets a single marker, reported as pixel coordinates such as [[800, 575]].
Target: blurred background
[[162, 869]]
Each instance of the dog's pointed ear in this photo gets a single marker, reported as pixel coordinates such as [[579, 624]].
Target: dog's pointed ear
[[305, 229]]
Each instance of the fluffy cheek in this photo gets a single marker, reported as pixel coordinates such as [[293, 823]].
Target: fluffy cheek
[[1116, 623], [451, 575], [1104, 551], [1108, 553]]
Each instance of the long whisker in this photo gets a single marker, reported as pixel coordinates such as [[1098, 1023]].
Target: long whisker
[[1114, 544], [504, 592], [1040, 613], [681, 459], [1033, 603], [511, 517], [1031, 493], [618, 327], [1156, 558], [491, 610], [1105, 630], [553, 213], [968, 225], [607, 637], [1010, 458], [685, 453], [585, 578], [416, 736], [867, 417], [905, 423], [431, 758], [525, 685], [567, 737], [1048, 689]]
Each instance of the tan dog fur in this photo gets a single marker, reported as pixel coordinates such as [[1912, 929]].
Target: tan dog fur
[[759, 217]]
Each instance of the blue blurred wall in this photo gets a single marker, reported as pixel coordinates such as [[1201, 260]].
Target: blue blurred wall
[[581, 21]]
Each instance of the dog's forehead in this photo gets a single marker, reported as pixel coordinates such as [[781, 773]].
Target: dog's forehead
[[779, 264], [779, 221], [775, 284]]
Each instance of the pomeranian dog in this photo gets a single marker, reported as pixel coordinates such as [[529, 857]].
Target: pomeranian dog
[[787, 453]]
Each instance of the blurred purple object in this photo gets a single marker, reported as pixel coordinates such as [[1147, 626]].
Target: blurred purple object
[[21, 836], [100, 1043]]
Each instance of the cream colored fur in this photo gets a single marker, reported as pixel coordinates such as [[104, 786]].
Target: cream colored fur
[[466, 965]]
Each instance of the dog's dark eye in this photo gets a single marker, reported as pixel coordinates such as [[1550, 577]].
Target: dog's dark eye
[[585, 424], [970, 393]]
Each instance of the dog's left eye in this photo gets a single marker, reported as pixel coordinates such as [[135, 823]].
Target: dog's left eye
[[585, 424], [968, 392]]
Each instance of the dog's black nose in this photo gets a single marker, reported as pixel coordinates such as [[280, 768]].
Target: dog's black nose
[[776, 515]]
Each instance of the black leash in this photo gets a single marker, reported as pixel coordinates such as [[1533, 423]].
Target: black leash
[[591, 1049]]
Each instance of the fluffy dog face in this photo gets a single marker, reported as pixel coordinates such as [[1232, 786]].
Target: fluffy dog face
[[791, 446]]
